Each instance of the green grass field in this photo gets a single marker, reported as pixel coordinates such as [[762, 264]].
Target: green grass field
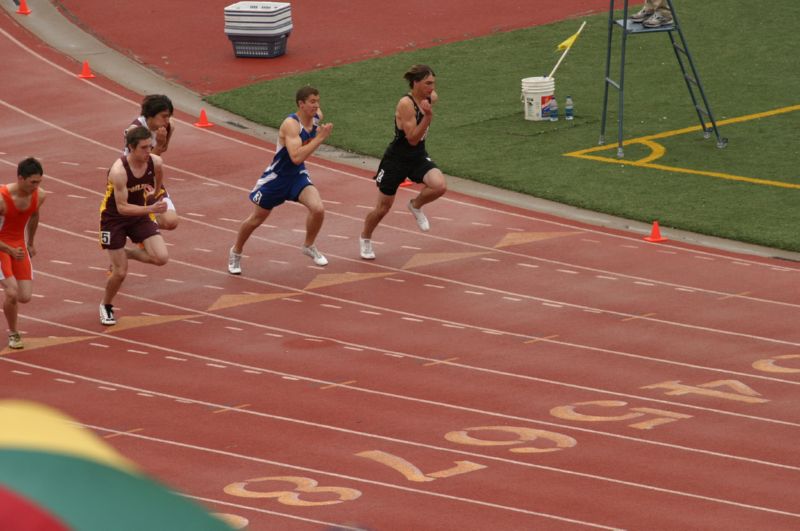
[[747, 66]]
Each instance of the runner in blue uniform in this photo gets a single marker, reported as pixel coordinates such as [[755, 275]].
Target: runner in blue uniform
[[406, 157], [287, 178]]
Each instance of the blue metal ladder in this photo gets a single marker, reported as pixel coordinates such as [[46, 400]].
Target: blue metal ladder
[[681, 49]]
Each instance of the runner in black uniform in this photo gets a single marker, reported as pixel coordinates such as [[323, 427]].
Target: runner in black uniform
[[406, 156]]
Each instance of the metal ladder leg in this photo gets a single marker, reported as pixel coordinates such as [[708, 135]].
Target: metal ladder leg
[[620, 86], [703, 113], [607, 78], [620, 115]]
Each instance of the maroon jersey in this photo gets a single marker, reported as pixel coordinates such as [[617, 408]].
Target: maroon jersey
[[137, 188]]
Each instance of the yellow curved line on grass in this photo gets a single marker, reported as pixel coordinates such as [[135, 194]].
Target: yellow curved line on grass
[[658, 151]]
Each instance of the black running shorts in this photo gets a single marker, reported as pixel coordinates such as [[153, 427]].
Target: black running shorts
[[393, 171]]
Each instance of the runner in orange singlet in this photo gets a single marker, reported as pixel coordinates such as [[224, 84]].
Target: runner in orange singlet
[[19, 213]]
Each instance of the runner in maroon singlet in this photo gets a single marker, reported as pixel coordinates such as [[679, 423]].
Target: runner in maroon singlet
[[125, 213]]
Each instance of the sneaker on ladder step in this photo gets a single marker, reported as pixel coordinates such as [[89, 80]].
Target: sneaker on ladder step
[[643, 14], [657, 20]]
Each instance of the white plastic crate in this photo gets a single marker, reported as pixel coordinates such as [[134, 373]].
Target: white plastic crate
[[256, 46], [258, 29]]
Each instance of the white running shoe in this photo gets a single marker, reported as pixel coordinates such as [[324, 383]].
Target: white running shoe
[[366, 248], [107, 315], [15, 341], [315, 255], [234, 263], [422, 221]]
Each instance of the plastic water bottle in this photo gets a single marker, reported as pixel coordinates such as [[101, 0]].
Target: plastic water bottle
[[553, 110], [569, 111], [546, 111]]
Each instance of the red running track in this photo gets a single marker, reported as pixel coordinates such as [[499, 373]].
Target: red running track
[[507, 370]]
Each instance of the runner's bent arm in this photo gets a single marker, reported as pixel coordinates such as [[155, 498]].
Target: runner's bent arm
[[163, 136], [290, 131], [3, 246], [17, 253], [14, 252], [407, 120], [33, 224], [158, 168]]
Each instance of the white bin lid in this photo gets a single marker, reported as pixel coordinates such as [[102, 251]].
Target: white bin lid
[[257, 7], [250, 19]]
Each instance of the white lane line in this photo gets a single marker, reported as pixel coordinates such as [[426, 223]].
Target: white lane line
[[584, 475]]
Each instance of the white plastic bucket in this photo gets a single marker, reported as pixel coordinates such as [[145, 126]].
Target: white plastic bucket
[[536, 94]]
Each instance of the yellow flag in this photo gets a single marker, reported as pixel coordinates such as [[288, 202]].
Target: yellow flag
[[567, 44]]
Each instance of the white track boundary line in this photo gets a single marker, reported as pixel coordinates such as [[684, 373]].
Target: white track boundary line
[[434, 403], [384, 438]]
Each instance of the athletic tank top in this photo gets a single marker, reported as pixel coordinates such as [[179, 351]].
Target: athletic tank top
[[399, 145], [136, 188], [282, 164], [14, 221]]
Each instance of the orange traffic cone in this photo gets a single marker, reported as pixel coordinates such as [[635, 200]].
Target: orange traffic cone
[[23, 8], [203, 121], [655, 234], [407, 182], [86, 72]]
